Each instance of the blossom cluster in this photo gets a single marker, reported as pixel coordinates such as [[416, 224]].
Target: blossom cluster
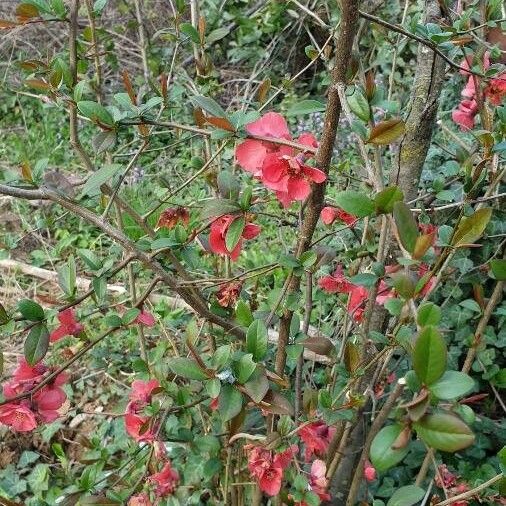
[[281, 168], [25, 414], [468, 108], [143, 428]]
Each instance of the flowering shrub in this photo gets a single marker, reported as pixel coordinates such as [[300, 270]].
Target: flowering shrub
[[238, 314]]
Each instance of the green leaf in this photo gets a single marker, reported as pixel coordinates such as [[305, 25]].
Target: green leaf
[[243, 314], [355, 203], [4, 317], [406, 226], [256, 340], [428, 314], [90, 259], [67, 277], [228, 185], [359, 105], [189, 30], [367, 279], [214, 208], [429, 355], [103, 141], [258, 385], [130, 316], [451, 385], [382, 455], [229, 402], [471, 228], [96, 112], [234, 233], [244, 368], [305, 107], [384, 201], [444, 431], [36, 344], [498, 268], [98, 178], [406, 496], [209, 105], [31, 310], [404, 286], [186, 368], [387, 131], [217, 35], [308, 258]]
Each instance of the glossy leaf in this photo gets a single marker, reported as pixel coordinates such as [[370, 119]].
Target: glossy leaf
[[471, 228], [234, 232], [451, 385], [428, 314], [406, 496], [30, 310], [406, 226], [244, 368], [444, 431], [257, 385], [382, 455], [256, 340], [95, 112], [387, 131], [355, 203], [186, 368], [498, 268], [214, 208], [36, 344], [429, 355], [384, 201], [229, 402], [305, 107]]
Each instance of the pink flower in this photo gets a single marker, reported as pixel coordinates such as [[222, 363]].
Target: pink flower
[[26, 373], [496, 89], [228, 293], [48, 401], [214, 404], [170, 217], [335, 283], [140, 500], [465, 113], [251, 153], [138, 427], [19, 416], [142, 391], [369, 471], [278, 166], [69, 326], [165, 481], [316, 437], [317, 480], [145, 318], [267, 467], [290, 177], [219, 229], [330, 214]]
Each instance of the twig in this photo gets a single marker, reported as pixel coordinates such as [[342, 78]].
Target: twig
[[472, 492]]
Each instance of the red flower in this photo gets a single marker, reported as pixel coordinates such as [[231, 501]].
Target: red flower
[[25, 373], [140, 500], [214, 404], [316, 437], [251, 153], [219, 229], [228, 294], [290, 177], [317, 480], [279, 167], [429, 283], [138, 425], [369, 471], [465, 113], [330, 214], [142, 391], [165, 481], [145, 318], [496, 89], [335, 283], [69, 326], [19, 416], [48, 401], [170, 217], [267, 467]]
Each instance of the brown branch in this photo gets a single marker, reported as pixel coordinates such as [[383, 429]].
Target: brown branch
[[344, 44]]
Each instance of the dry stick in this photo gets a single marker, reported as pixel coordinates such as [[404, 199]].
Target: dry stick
[[94, 46], [473, 491], [305, 328], [336, 448], [315, 201], [142, 39], [375, 428]]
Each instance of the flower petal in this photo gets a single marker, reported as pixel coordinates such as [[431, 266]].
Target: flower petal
[[271, 124], [250, 155], [298, 189]]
